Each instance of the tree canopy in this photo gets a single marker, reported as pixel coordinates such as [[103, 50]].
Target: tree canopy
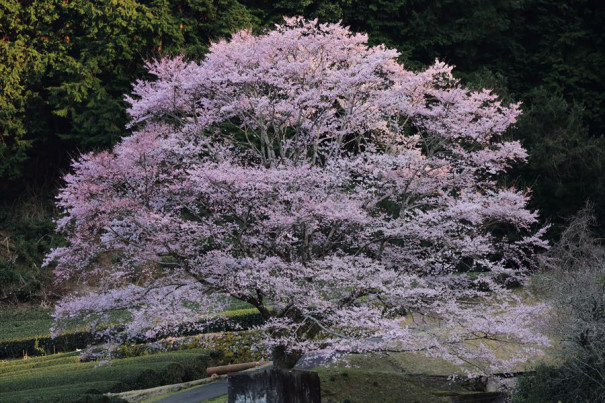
[[312, 176], [66, 66]]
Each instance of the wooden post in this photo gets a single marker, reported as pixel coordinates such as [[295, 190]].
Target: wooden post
[[226, 369]]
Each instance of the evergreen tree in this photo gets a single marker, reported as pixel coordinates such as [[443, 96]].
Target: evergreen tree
[[66, 66]]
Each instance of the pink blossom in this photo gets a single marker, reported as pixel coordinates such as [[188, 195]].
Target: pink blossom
[[315, 178]]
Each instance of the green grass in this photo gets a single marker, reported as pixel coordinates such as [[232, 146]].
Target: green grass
[[355, 385], [220, 399], [24, 323], [404, 362], [62, 378], [235, 304], [399, 377]]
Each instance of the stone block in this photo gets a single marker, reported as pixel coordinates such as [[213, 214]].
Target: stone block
[[274, 386]]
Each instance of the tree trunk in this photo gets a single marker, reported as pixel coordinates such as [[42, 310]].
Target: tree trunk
[[284, 359]]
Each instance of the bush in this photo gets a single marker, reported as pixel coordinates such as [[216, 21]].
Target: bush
[[147, 379], [26, 239], [235, 346], [560, 384], [227, 347], [574, 284], [45, 344]]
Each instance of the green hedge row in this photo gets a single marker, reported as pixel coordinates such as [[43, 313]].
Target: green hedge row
[[45, 345], [224, 347], [173, 373], [241, 319]]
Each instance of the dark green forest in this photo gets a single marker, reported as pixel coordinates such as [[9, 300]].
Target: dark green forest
[[65, 66]]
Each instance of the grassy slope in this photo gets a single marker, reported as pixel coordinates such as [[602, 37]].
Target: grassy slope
[[356, 385], [369, 378], [401, 377], [24, 323], [61, 378], [353, 385]]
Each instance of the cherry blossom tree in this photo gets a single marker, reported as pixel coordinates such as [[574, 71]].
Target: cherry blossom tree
[[359, 206]]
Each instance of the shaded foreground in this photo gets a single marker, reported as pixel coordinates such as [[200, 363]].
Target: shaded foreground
[[62, 378]]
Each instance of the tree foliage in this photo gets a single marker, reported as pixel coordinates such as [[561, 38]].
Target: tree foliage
[[313, 177], [546, 53], [566, 164], [67, 64]]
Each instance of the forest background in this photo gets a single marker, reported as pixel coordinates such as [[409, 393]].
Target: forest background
[[65, 66]]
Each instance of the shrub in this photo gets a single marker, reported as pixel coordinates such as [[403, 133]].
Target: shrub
[[25, 239], [227, 347], [560, 384], [575, 285], [45, 344]]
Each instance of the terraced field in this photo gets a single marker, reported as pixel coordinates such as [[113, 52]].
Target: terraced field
[[62, 378], [22, 323]]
